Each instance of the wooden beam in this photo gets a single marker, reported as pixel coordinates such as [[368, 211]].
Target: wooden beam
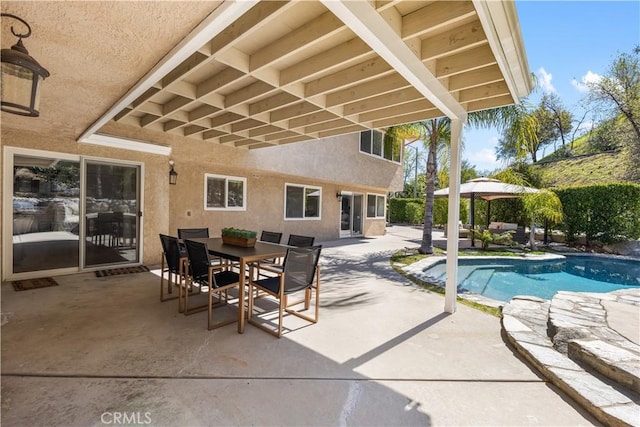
[[382, 101], [218, 81], [325, 61], [291, 111], [248, 93], [300, 38], [481, 92], [477, 77], [273, 102], [466, 61], [435, 16], [369, 89], [453, 41], [366, 70]]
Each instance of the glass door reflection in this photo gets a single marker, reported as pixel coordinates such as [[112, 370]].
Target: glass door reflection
[[112, 202], [45, 213]]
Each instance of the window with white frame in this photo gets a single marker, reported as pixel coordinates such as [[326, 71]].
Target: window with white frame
[[381, 144], [225, 192], [375, 206], [302, 202]]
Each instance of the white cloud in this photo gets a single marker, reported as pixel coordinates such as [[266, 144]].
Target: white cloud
[[590, 77], [544, 80], [484, 158]]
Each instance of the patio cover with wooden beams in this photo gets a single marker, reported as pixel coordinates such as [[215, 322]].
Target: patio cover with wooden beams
[[255, 74], [260, 73]]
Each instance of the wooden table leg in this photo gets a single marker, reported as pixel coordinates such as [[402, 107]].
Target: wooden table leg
[[241, 297]]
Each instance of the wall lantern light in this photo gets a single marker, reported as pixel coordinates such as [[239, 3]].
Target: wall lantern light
[[173, 175], [339, 196], [21, 76]]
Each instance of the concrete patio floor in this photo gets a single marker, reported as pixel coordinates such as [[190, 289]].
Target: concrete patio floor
[[99, 351]]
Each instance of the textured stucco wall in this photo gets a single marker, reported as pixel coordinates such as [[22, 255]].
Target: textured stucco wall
[[336, 159], [156, 182], [336, 166]]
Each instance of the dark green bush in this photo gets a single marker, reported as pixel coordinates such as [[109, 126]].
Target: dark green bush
[[605, 213], [415, 213], [398, 209]]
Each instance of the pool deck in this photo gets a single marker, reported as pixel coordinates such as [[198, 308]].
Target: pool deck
[[587, 344], [383, 353]]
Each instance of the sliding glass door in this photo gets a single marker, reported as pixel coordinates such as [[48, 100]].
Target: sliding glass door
[[111, 213], [55, 201], [45, 213]]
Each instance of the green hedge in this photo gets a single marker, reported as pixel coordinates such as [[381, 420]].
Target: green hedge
[[605, 213], [411, 211]]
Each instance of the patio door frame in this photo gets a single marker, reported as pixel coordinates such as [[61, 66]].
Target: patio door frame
[[7, 211], [353, 215]]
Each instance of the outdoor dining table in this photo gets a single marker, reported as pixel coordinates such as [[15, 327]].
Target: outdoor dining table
[[243, 256]]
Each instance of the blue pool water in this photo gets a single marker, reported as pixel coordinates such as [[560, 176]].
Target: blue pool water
[[501, 279]]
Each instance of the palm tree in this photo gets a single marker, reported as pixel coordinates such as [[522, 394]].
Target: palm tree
[[436, 134]]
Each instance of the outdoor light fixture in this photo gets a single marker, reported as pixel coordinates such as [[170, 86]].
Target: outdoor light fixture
[[173, 175], [339, 196], [21, 76]]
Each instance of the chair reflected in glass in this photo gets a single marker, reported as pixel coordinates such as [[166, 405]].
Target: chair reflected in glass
[[218, 278], [299, 272], [175, 260]]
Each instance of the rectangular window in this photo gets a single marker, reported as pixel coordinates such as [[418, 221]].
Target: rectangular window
[[381, 145], [302, 202], [375, 206], [365, 141], [225, 192]]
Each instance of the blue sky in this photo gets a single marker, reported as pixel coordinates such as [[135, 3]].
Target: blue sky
[[565, 42]]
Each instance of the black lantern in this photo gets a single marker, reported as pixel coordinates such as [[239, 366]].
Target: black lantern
[[339, 196], [21, 77], [173, 175]]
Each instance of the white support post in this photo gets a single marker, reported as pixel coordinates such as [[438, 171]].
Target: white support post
[[451, 290]]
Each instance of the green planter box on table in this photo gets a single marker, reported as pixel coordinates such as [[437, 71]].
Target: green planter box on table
[[238, 237]]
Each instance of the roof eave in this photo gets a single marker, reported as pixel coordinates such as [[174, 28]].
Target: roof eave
[[500, 22]]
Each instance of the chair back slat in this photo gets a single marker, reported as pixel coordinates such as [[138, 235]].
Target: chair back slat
[[300, 268], [172, 252], [199, 262], [192, 233], [270, 236], [300, 241]]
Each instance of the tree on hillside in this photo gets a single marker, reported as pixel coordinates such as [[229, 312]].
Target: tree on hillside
[[561, 119], [619, 89]]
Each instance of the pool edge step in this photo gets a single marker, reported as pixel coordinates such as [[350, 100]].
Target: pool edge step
[[525, 322], [610, 360]]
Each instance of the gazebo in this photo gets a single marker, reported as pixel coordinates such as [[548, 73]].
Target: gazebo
[[487, 189]]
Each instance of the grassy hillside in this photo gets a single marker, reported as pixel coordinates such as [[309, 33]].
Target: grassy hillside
[[598, 168], [587, 165]]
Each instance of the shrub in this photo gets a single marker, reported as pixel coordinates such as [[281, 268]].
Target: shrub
[[415, 213], [486, 238], [606, 213]]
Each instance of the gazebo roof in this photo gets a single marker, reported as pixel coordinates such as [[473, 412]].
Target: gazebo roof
[[488, 189]]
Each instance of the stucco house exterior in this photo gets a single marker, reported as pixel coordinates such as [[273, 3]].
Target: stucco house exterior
[[268, 111]]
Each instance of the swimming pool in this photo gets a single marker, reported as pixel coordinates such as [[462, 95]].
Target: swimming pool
[[503, 278]]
